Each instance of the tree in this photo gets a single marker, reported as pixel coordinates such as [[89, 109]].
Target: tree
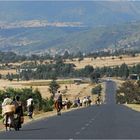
[[9, 76], [66, 55], [128, 92], [53, 87], [95, 76], [124, 71], [88, 69], [80, 56]]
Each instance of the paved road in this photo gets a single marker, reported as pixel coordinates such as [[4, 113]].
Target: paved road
[[108, 121]]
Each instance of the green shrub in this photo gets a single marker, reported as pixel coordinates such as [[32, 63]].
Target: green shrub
[[39, 103], [25, 113], [46, 106], [120, 99], [24, 94], [96, 90], [128, 92], [75, 105], [69, 104]]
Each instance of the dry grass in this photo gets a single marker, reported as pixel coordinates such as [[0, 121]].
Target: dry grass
[[106, 61], [72, 92], [5, 72], [135, 107]]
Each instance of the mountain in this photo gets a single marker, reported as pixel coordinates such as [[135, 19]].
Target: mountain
[[54, 26], [56, 40], [90, 13]]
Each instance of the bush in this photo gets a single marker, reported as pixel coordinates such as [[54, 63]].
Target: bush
[[128, 92], [69, 104], [96, 90], [75, 105], [46, 106], [39, 103], [25, 113], [120, 99]]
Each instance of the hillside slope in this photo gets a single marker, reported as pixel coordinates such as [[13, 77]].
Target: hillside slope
[[90, 13], [74, 39]]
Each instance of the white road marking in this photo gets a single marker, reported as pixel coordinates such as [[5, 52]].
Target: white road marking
[[87, 124], [83, 128], [77, 133], [90, 121]]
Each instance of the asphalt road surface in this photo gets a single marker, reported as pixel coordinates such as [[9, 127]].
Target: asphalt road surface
[[107, 121]]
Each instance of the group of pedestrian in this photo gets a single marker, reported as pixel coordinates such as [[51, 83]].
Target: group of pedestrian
[[79, 102], [87, 101], [12, 111]]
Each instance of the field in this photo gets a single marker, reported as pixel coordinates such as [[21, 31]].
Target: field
[[5, 72], [105, 61], [98, 62], [73, 90]]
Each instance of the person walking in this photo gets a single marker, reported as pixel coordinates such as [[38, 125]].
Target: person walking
[[79, 102], [30, 107], [85, 101], [58, 102], [8, 117], [18, 119]]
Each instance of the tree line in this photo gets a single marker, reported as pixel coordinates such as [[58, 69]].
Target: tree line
[[59, 69], [8, 57]]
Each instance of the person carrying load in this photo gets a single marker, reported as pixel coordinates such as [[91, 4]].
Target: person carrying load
[[8, 110]]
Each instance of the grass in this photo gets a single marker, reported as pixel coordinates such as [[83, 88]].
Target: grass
[[5, 72], [106, 61], [43, 86], [46, 83], [135, 107]]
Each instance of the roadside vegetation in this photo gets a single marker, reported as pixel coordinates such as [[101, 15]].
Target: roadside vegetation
[[97, 90], [128, 93], [60, 69], [40, 104]]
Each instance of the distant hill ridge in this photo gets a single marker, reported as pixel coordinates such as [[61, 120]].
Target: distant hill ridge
[[57, 40], [90, 13], [38, 27]]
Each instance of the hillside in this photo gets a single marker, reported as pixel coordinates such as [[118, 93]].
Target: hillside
[[55, 26], [90, 13], [57, 39]]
